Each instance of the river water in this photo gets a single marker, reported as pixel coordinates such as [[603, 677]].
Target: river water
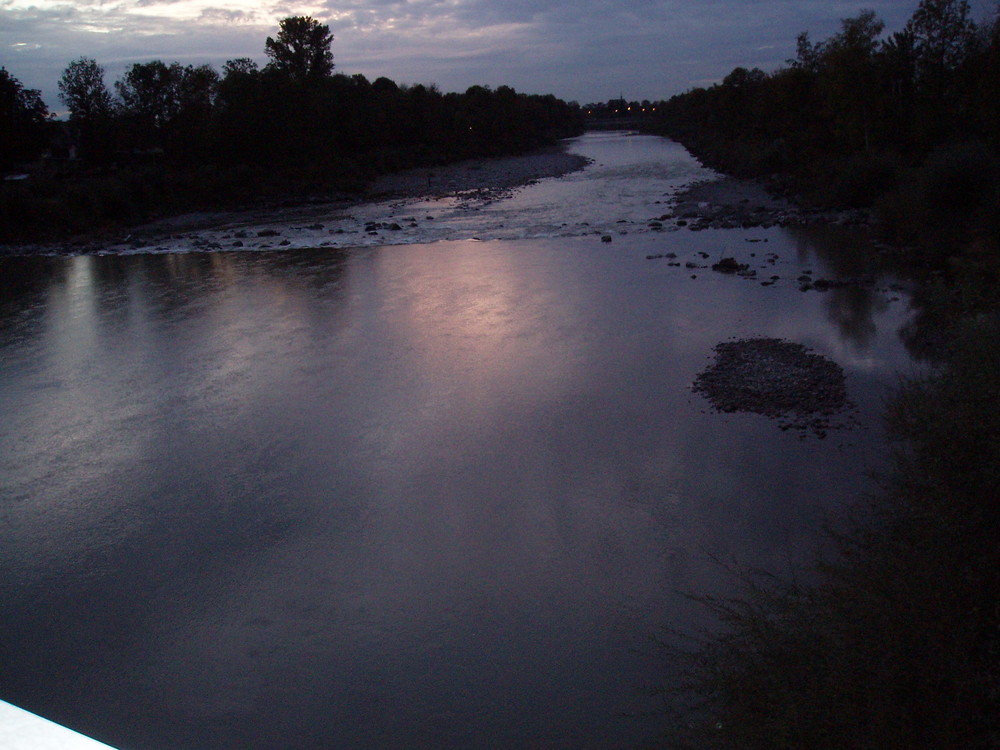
[[437, 494]]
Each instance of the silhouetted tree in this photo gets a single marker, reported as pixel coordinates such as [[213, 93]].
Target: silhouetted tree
[[83, 91], [149, 93], [383, 85], [196, 89], [301, 49], [984, 85], [849, 79], [741, 78], [807, 54], [240, 66], [899, 68], [942, 31], [169, 106], [92, 109], [23, 119], [189, 134]]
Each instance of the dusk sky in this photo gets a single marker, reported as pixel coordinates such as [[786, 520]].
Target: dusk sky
[[583, 50]]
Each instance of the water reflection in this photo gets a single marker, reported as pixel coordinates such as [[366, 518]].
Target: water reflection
[[848, 255], [436, 495]]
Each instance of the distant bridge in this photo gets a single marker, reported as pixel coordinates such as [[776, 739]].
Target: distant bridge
[[626, 122]]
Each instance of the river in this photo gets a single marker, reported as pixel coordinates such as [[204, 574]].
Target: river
[[441, 493]]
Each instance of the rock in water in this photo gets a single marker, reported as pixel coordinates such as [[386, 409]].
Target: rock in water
[[776, 378], [729, 265]]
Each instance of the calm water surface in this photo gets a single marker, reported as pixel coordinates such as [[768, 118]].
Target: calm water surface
[[429, 495]]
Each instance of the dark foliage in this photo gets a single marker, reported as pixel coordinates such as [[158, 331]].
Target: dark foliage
[[894, 642], [302, 48], [199, 139], [23, 122], [92, 109], [856, 120]]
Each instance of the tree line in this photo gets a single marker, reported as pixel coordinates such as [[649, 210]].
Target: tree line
[[293, 121], [908, 121]]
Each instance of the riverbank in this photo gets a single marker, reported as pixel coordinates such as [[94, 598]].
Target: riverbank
[[480, 178], [732, 203]]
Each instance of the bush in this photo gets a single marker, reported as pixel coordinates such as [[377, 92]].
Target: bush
[[895, 643], [861, 179], [958, 178], [946, 206]]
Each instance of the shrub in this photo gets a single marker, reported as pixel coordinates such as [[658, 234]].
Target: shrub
[[862, 178], [896, 642], [957, 178]]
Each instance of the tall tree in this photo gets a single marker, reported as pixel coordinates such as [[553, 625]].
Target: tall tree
[[942, 30], [23, 119], [849, 79], [169, 102], [91, 107], [82, 89], [149, 91], [301, 49], [807, 54], [196, 90]]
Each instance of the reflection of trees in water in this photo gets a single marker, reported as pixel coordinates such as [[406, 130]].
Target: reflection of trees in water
[[144, 296], [937, 300], [846, 254], [177, 280], [852, 309]]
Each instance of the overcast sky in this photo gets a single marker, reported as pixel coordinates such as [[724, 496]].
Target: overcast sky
[[583, 50]]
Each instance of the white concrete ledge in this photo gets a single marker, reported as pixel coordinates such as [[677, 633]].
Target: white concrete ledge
[[22, 730]]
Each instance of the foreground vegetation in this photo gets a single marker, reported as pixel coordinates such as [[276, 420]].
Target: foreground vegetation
[[895, 641], [892, 639], [174, 137]]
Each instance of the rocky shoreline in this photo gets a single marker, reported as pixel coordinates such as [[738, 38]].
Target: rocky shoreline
[[732, 203], [720, 202], [479, 179]]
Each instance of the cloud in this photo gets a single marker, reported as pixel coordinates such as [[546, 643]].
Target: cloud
[[228, 16], [587, 50]]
